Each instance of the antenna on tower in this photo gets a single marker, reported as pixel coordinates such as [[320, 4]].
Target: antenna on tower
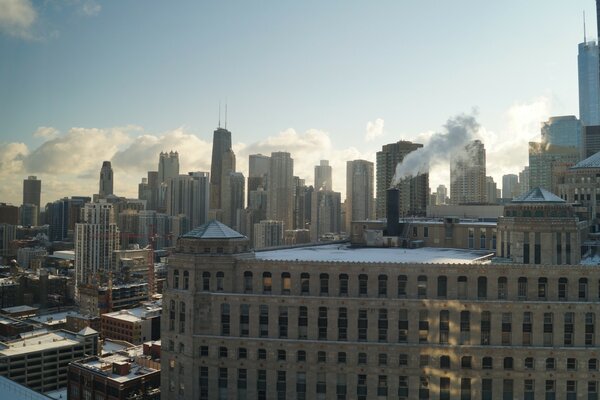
[[225, 114], [219, 113], [584, 38]]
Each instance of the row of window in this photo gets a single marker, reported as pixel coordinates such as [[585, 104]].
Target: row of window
[[510, 335], [377, 388], [403, 285], [403, 360]]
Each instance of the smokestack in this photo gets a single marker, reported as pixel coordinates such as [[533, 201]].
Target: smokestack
[[393, 215]]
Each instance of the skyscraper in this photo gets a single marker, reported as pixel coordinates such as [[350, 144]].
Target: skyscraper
[[95, 240], [189, 195], [32, 189], [168, 166], [326, 213], [323, 176], [221, 145], [510, 183], [467, 175], [545, 161], [562, 131], [490, 190], [280, 204], [106, 180], [442, 194], [360, 204], [589, 83], [257, 173], [387, 160]]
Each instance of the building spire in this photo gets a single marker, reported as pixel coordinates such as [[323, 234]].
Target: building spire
[[225, 114], [219, 114], [584, 38]]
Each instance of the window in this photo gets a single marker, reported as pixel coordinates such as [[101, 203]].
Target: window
[[421, 286], [382, 285], [172, 311], [342, 323], [593, 364], [182, 317], [286, 283], [486, 326], [222, 352], [203, 383], [571, 390], [589, 328], [502, 288], [324, 289], [281, 355], [361, 387], [267, 282], [529, 363], [482, 287], [550, 364], [220, 278], [563, 288], [507, 389], [445, 362], [343, 285], [527, 328], [529, 389], [321, 357], [465, 327], [362, 284], [300, 385], [462, 287], [548, 329], [423, 360], [486, 363], [176, 279], [304, 283], [465, 389], [550, 390], [466, 362], [242, 353], [382, 325], [186, 280], [280, 385], [247, 282], [442, 287], [206, 281], [403, 387], [321, 385], [222, 383], [568, 329], [225, 319], [261, 384], [522, 288], [508, 363], [423, 387], [482, 238], [506, 329], [583, 289], [444, 326], [382, 359], [486, 389], [403, 360], [444, 388], [283, 322], [542, 288], [263, 321], [592, 390], [362, 358], [244, 320], [203, 351], [402, 286], [341, 359], [301, 356], [403, 325], [302, 322], [322, 323], [363, 324], [571, 364], [423, 326]]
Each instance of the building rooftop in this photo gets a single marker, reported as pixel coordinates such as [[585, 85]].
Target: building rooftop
[[213, 230], [104, 365], [344, 253], [136, 314], [538, 195], [41, 342], [54, 318], [10, 389], [592, 161]]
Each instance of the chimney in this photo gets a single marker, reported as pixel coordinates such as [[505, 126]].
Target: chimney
[[121, 368], [393, 215]]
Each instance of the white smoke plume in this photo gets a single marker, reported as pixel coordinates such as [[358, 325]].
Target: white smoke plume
[[458, 131]]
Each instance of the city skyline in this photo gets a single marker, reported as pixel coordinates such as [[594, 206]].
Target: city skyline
[[98, 108]]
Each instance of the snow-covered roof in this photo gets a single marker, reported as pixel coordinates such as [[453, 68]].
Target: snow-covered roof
[[592, 161], [212, 230], [344, 253], [538, 195]]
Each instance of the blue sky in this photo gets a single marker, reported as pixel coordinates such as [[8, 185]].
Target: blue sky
[[321, 79]]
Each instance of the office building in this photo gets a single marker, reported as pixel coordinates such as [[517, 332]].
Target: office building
[[490, 190], [467, 175], [580, 186], [510, 186], [302, 204], [106, 180], [280, 193], [29, 215], [414, 190], [133, 325], [562, 131], [32, 189], [96, 237], [360, 204], [268, 234], [168, 166], [189, 195], [590, 141], [257, 173], [589, 83], [442, 195], [220, 146], [323, 176], [326, 214], [9, 214], [545, 161]]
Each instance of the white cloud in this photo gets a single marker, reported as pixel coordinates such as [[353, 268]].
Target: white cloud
[[45, 132], [91, 8], [374, 129], [17, 18]]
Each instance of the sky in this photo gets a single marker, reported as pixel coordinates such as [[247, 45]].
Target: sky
[[83, 81]]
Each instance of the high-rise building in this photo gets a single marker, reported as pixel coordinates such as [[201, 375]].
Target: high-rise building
[[590, 141], [106, 180], [268, 233], [32, 189], [589, 83], [562, 131], [546, 160], [280, 201], [323, 176], [467, 175], [360, 204], [220, 146], [302, 204], [510, 186], [9, 214], [416, 188], [168, 166], [326, 213], [62, 215], [524, 185], [233, 199], [29, 215], [95, 240], [257, 173], [490, 190], [189, 195], [442, 195]]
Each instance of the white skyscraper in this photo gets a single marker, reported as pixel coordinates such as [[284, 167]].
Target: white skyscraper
[[589, 83], [323, 176], [95, 240], [168, 166], [360, 184], [280, 204]]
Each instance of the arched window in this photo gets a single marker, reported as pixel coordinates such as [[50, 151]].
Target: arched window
[[286, 283], [220, 279], [186, 280], [324, 287], [247, 282], [508, 363], [482, 287], [382, 285], [304, 283], [563, 288], [462, 287], [421, 286], [522, 288], [343, 285], [176, 279], [583, 289], [442, 287], [206, 281], [362, 284], [267, 282], [502, 288], [402, 280]]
